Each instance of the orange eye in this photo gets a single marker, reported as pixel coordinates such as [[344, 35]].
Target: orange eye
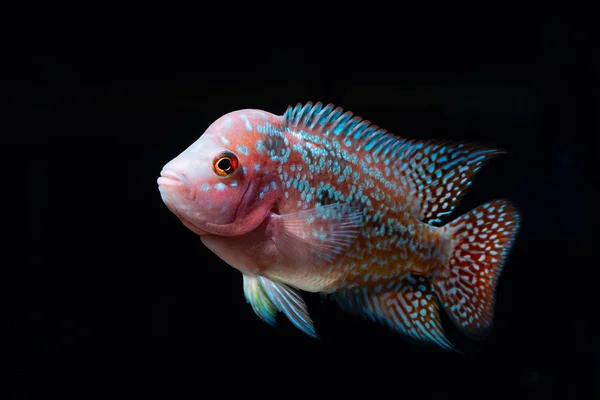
[[225, 164]]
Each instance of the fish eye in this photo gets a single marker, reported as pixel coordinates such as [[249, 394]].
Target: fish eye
[[225, 164]]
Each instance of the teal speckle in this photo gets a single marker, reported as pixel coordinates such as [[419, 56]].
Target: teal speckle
[[246, 123], [260, 146], [243, 150]]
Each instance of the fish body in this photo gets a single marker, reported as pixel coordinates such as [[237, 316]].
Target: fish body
[[323, 201]]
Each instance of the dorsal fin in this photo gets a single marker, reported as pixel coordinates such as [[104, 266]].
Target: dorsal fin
[[435, 173], [442, 172]]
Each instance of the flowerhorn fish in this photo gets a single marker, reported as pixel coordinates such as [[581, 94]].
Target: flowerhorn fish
[[317, 200]]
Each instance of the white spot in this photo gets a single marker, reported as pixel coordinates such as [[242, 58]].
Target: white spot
[[224, 140], [220, 186], [243, 149], [246, 122]]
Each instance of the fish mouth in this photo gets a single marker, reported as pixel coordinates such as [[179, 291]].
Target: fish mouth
[[171, 181], [170, 178]]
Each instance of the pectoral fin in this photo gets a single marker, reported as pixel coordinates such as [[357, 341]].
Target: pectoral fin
[[320, 234]]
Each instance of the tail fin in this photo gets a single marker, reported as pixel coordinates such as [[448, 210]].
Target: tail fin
[[481, 241]]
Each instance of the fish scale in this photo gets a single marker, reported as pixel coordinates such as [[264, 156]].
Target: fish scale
[[352, 211], [389, 229]]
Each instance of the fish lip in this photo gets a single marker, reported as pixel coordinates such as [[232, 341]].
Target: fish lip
[[171, 177], [171, 180]]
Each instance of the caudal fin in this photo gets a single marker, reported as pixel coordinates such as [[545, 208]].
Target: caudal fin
[[481, 241]]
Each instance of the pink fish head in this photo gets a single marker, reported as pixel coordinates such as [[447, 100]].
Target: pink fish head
[[216, 185]]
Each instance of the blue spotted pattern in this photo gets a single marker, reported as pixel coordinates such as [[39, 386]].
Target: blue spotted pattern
[[319, 155], [432, 176]]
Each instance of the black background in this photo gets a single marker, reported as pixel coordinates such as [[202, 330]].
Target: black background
[[111, 294]]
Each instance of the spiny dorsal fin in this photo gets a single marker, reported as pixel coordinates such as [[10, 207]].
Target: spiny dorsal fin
[[434, 173], [331, 119]]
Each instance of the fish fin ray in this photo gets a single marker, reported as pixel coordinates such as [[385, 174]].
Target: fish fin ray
[[440, 172], [407, 305], [290, 303], [482, 240], [434, 174], [319, 234], [258, 299]]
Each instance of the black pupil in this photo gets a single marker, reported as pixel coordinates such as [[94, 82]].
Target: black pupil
[[224, 164]]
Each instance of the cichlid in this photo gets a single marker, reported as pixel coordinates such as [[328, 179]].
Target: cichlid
[[320, 201]]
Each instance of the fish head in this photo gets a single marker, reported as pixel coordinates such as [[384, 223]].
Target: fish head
[[216, 185]]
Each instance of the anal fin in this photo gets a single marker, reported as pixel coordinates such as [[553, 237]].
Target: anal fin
[[407, 305]]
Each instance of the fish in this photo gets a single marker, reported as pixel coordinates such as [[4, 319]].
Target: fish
[[319, 200]]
